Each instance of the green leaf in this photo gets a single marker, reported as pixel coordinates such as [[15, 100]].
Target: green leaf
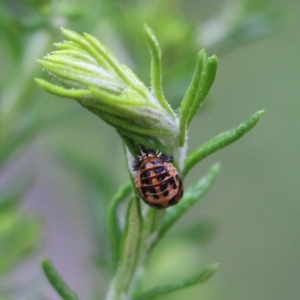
[[107, 108], [111, 90], [114, 100], [109, 57], [201, 83], [124, 124], [104, 58], [175, 286], [68, 45], [65, 72], [57, 281], [130, 248], [192, 195], [80, 43], [129, 124], [64, 54], [114, 230], [61, 91], [219, 142], [207, 80], [125, 119], [186, 104], [156, 72], [73, 73]]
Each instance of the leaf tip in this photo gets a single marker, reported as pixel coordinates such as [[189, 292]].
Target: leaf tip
[[69, 33], [213, 60], [147, 29], [208, 271], [213, 267], [46, 263], [216, 167], [43, 84], [39, 81], [202, 55], [261, 112], [64, 30], [258, 115]]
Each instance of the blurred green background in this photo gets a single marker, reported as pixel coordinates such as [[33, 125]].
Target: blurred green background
[[60, 164]]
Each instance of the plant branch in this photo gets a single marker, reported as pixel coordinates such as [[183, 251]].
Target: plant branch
[[114, 230]]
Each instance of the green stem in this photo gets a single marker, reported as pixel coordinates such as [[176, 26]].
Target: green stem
[[128, 261], [152, 223], [114, 229]]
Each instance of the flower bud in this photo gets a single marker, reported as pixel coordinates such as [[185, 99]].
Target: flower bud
[[88, 72]]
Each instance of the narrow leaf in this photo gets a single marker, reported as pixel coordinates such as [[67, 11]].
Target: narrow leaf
[[117, 100], [99, 108], [135, 128], [86, 46], [109, 57], [57, 281], [68, 45], [76, 73], [175, 286], [191, 196], [207, 81], [186, 104], [114, 230], [101, 53], [156, 70], [75, 54], [62, 92], [220, 141]]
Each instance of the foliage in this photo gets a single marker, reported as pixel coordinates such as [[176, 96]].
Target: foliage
[[85, 70], [28, 28]]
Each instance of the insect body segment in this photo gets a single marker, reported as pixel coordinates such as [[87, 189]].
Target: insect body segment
[[157, 179]]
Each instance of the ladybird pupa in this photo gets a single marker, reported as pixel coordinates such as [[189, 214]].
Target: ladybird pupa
[[157, 180]]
